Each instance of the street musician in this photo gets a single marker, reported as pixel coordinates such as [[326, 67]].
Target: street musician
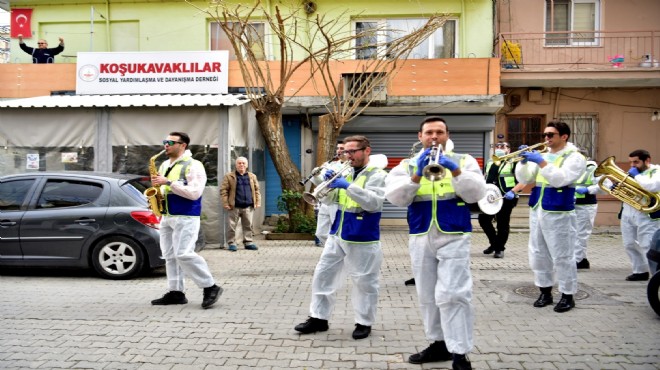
[[552, 218], [637, 228], [326, 212]]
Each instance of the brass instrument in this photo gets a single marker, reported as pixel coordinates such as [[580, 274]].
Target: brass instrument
[[515, 156], [318, 170], [434, 171], [323, 189], [153, 194], [625, 188]]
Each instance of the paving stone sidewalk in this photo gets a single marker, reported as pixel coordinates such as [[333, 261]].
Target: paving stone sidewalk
[[71, 320]]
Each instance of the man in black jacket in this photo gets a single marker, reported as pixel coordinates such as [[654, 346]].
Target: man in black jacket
[[42, 54]]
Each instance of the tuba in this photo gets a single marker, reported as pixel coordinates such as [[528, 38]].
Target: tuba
[[153, 194], [625, 188]]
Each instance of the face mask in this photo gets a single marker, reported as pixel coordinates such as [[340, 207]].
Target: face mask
[[500, 152]]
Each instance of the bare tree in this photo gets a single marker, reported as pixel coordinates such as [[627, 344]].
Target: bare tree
[[266, 83]]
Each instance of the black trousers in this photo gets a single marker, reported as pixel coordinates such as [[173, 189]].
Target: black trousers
[[498, 237]]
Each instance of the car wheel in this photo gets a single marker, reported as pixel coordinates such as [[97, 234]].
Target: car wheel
[[117, 258], [653, 292]]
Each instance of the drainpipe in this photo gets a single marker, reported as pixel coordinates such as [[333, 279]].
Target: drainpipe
[[107, 24], [464, 16], [555, 114]]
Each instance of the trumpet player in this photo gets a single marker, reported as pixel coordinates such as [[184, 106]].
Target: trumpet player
[[552, 218], [353, 243], [439, 242], [637, 228], [326, 212]]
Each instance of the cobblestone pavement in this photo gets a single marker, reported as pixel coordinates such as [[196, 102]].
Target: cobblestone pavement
[[63, 319]]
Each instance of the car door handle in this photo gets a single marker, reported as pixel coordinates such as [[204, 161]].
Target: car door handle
[[7, 223], [84, 220]]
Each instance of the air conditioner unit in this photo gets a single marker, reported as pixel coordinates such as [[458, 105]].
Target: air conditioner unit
[[368, 86]]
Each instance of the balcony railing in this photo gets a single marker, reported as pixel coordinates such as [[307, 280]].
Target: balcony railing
[[579, 50]]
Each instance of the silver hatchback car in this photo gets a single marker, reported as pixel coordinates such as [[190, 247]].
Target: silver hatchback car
[[80, 220]]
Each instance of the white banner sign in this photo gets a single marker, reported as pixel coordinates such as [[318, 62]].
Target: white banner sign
[[183, 72]]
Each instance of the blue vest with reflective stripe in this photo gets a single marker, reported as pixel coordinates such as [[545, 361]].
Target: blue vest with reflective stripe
[[553, 199], [352, 223], [437, 203], [176, 205]]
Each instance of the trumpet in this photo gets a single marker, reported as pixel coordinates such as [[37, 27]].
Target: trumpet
[[434, 171], [626, 189], [515, 156], [323, 189], [318, 170]]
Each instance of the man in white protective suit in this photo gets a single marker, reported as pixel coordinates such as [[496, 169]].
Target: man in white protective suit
[[439, 241], [552, 219], [182, 179], [354, 241], [327, 212]]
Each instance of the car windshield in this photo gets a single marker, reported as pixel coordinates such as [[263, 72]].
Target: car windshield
[[135, 188]]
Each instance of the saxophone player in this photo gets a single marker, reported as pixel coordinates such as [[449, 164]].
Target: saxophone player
[[182, 179]]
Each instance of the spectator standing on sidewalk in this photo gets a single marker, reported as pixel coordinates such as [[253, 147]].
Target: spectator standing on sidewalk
[[240, 196]]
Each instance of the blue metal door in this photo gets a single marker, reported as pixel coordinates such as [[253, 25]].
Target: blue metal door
[[292, 135]]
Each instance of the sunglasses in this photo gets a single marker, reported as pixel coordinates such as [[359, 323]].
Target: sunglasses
[[42, 43], [352, 151], [171, 142], [549, 135]]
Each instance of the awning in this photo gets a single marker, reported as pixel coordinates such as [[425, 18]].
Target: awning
[[160, 100]]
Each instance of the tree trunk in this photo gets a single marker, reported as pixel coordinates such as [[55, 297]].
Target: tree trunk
[[326, 144], [270, 124]]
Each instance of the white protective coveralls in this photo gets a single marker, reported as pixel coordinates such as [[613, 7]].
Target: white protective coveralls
[[361, 260], [549, 231], [327, 212], [637, 228], [585, 217], [178, 234], [440, 260]]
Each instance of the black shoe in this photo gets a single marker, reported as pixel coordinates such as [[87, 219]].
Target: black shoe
[[461, 362], [565, 303], [638, 277], [171, 297], [499, 254], [312, 325], [583, 264], [410, 282], [436, 352], [211, 295], [543, 300], [489, 250], [361, 331]]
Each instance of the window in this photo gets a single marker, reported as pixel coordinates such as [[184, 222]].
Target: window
[[583, 131], [525, 130], [572, 15], [373, 34], [65, 193], [256, 32], [12, 194]]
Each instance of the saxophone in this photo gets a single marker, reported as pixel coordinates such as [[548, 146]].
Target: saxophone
[[153, 194]]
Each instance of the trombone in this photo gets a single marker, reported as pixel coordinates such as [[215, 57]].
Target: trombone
[[323, 189], [515, 156]]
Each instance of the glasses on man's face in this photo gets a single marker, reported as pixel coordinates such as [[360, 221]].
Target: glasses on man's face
[[549, 135], [171, 142], [352, 151], [42, 43]]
